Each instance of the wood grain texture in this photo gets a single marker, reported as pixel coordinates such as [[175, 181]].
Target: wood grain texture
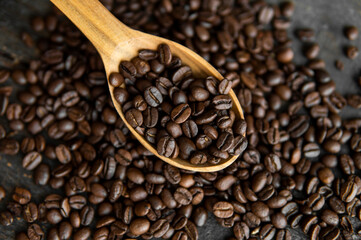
[[116, 42]]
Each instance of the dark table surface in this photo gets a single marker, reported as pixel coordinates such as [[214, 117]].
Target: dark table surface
[[326, 17]]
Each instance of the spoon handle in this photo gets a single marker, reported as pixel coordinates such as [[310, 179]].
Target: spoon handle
[[96, 22]]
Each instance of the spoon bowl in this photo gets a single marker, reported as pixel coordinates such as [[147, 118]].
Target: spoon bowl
[[116, 42]]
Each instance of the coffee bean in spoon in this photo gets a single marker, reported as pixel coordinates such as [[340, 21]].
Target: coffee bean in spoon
[[168, 113]]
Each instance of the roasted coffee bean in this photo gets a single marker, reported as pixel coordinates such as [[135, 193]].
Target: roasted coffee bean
[[86, 216], [198, 158], [241, 230], [223, 209], [222, 102], [352, 52], [139, 226], [330, 233], [181, 113], [30, 212], [35, 232], [82, 234], [121, 95], [167, 146], [347, 165], [153, 96], [351, 32], [190, 128], [183, 196], [325, 175], [134, 118], [225, 141], [199, 94], [9, 146], [272, 163], [31, 160], [260, 209], [21, 195], [181, 73], [53, 216], [348, 190], [329, 217], [6, 218]]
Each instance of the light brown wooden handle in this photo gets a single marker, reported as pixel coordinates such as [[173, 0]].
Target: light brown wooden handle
[[96, 22]]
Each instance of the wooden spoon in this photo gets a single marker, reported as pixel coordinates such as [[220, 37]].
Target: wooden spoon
[[116, 42]]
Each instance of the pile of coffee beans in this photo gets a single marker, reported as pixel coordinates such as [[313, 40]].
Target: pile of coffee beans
[[300, 169], [181, 115]]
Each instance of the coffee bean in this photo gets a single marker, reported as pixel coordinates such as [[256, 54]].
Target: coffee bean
[[326, 175], [198, 158], [267, 232], [139, 226], [147, 54], [82, 234], [21, 195], [167, 146], [180, 74], [165, 54], [351, 32], [181, 113], [200, 94], [121, 95], [35, 232], [351, 52], [347, 164], [348, 190], [223, 209], [134, 117], [329, 217], [241, 230], [312, 51], [330, 233], [222, 102], [183, 196], [272, 163], [32, 160], [30, 212], [260, 209], [6, 218], [9, 146]]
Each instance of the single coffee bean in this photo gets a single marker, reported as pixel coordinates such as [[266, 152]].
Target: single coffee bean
[[6, 218], [181, 113], [223, 209], [351, 52], [167, 146], [267, 232], [351, 32], [183, 196], [31, 160], [139, 226], [21, 195], [153, 96], [30, 212], [198, 158], [35, 232], [134, 117]]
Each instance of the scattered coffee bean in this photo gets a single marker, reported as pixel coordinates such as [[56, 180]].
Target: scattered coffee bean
[[351, 52], [291, 141], [351, 32]]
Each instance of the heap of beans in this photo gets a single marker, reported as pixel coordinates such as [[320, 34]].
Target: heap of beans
[[299, 171], [181, 115]]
